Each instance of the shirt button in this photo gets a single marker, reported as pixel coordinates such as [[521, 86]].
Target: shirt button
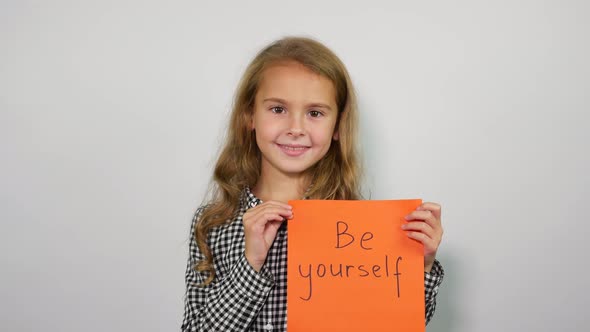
[[268, 326]]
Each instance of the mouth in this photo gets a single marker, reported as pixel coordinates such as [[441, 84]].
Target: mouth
[[293, 150]]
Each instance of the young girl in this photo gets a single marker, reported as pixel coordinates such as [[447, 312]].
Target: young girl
[[292, 135]]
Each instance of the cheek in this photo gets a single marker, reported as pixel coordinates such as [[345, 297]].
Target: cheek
[[260, 137], [265, 133], [324, 135]]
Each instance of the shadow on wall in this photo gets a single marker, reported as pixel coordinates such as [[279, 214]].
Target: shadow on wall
[[446, 317]]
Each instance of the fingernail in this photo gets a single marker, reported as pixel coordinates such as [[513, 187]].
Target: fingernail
[[404, 226], [407, 217]]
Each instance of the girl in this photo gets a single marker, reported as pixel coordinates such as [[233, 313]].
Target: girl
[[292, 135]]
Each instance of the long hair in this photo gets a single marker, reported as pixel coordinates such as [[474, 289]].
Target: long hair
[[335, 176]]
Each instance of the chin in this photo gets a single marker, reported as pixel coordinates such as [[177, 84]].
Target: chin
[[291, 169], [294, 171]]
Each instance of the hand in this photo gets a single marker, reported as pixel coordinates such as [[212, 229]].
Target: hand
[[424, 226], [261, 224]]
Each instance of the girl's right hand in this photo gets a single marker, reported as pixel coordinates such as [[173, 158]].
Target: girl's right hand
[[261, 224]]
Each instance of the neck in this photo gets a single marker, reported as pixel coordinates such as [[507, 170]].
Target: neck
[[280, 187]]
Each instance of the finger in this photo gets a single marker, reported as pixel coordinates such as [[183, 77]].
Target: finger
[[430, 245], [274, 225], [419, 215], [278, 209], [256, 213], [270, 206], [424, 215], [270, 212], [262, 222], [264, 215], [418, 236], [434, 208], [421, 227], [276, 203]]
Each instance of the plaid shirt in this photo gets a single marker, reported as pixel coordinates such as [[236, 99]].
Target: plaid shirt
[[240, 299]]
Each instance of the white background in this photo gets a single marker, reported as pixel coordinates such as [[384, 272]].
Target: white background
[[112, 112]]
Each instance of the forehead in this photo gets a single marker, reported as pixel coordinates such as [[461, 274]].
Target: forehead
[[293, 81]]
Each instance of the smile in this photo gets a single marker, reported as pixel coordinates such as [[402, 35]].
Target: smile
[[293, 150]]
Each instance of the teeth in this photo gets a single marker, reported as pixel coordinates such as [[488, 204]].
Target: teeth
[[293, 148]]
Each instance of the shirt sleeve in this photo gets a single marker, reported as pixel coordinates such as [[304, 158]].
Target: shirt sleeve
[[432, 281], [230, 302]]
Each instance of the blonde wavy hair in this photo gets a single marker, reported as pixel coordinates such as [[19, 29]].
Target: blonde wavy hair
[[335, 176]]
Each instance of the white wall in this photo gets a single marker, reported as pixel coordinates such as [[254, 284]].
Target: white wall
[[111, 114]]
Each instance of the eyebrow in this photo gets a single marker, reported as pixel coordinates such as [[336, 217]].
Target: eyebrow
[[282, 101]]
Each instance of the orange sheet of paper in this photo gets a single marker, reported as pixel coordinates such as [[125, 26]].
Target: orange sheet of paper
[[352, 268]]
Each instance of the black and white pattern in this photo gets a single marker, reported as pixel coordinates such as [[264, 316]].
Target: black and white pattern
[[240, 299]]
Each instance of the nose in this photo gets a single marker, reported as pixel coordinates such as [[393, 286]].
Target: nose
[[296, 125]]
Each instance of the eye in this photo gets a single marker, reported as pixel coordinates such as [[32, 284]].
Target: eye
[[315, 114], [277, 110]]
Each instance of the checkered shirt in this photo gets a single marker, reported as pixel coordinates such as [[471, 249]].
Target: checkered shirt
[[241, 299]]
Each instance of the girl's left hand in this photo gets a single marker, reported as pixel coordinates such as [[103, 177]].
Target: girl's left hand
[[424, 226]]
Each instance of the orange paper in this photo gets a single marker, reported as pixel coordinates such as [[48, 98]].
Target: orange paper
[[352, 268]]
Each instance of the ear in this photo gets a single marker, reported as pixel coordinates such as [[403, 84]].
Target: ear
[[249, 119], [335, 136]]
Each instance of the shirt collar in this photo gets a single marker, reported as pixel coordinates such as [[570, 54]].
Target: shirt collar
[[250, 200]]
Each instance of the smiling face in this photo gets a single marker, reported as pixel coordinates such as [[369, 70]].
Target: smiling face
[[294, 118]]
